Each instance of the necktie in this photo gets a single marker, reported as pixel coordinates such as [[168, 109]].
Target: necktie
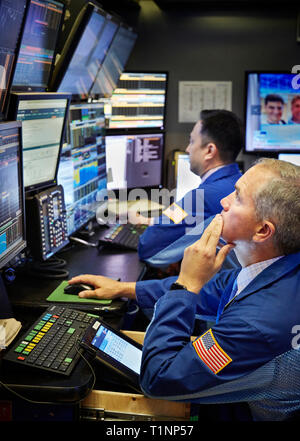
[[226, 299], [233, 292]]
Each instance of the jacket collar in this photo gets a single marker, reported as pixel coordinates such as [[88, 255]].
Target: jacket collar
[[227, 170], [269, 275]]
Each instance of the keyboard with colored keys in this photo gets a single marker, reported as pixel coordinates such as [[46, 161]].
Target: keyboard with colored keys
[[50, 344], [124, 236]]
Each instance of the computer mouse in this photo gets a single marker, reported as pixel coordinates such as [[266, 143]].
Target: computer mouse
[[77, 288]]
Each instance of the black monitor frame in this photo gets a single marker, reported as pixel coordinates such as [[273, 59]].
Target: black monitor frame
[[29, 88], [132, 130], [15, 99], [4, 260], [4, 114], [71, 45], [98, 95], [258, 152]]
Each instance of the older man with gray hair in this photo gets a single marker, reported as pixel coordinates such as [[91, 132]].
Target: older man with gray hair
[[255, 307]]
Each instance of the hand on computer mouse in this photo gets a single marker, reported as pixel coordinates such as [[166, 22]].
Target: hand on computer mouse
[[104, 287], [76, 288]]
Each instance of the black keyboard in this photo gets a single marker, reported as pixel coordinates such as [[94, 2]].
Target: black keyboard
[[51, 343], [124, 236]]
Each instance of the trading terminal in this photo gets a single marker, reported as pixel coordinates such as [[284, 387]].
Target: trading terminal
[[86, 118]]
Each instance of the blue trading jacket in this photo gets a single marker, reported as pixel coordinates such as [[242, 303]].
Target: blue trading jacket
[[164, 232], [253, 329]]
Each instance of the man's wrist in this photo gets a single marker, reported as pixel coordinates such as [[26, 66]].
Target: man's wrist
[[127, 289], [195, 288]]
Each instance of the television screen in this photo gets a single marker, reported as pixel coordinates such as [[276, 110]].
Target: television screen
[[139, 101], [12, 14], [12, 231], [134, 161], [290, 157], [84, 52], [82, 168], [185, 179], [37, 50], [43, 117], [114, 63], [272, 113]]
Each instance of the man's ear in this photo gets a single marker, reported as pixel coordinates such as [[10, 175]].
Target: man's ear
[[211, 150], [264, 232]]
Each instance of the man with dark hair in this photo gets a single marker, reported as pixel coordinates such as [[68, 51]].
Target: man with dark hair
[[214, 145], [274, 106]]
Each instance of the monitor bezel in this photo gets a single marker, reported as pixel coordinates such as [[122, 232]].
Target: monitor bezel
[[15, 99], [4, 115], [24, 88], [20, 246], [142, 129], [98, 95], [270, 153], [114, 132], [69, 49]]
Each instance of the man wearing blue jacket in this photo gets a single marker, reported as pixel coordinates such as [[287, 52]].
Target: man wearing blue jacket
[[214, 145], [256, 308]]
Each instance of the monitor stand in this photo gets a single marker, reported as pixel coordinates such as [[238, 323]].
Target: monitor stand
[[84, 235], [5, 307]]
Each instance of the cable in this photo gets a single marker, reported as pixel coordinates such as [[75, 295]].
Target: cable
[[22, 397], [53, 268]]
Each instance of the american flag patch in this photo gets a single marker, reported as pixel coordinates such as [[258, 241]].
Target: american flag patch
[[175, 213], [211, 352]]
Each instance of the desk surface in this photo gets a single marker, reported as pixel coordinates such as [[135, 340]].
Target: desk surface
[[28, 295], [31, 291]]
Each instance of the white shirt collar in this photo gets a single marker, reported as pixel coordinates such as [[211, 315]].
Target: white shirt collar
[[248, 273], [210, 172]]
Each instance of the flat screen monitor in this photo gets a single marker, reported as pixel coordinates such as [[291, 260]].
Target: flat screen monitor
[[84, 52], [185, 179], [139, 101], [272, 113], [43, 117], [294, 158], [134, 161], [12, 14], [37, 51], [12, 229], [82, 168], [114, 62]]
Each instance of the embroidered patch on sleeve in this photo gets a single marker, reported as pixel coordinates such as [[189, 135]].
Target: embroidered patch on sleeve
[[175, 213], [211, 352]]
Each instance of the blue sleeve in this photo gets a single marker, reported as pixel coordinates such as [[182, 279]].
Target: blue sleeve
[[165, 231], [149, 291], [173, 250], [173, 367]]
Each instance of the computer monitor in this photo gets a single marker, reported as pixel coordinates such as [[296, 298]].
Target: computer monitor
[[272, 113], [12, 14], [37, 51], [12, 225], [139, 101], [294, 158], [185, 179], [114, 62], [134, 161], [84, 52], [82, 169], [43, 117]]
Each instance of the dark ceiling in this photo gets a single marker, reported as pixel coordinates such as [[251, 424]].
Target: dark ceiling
[[179, 4]]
